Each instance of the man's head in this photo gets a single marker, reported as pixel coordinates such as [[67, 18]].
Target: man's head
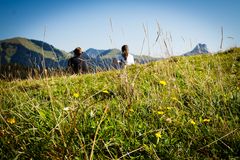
[[77, 51], [125, 50]]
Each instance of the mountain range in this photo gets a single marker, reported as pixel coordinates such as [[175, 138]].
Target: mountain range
[[37, 54]]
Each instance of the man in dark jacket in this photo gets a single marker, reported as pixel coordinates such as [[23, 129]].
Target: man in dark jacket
[[77, 63]]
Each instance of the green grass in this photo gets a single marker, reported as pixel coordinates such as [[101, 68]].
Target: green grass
[[127, 114]]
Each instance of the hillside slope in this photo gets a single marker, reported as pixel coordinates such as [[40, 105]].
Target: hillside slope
[[178, 108], [30, 53]]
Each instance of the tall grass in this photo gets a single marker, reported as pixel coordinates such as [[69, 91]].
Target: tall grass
[[177, 108]]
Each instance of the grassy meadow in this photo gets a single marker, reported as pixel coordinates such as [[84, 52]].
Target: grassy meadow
[[176, 108]]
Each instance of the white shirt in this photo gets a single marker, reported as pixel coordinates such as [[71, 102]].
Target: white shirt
[[129, 61]]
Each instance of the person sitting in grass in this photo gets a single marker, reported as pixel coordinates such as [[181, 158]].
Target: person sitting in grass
[[123, 60], [77, 64]]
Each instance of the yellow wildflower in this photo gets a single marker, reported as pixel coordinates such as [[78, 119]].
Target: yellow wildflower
[[169, 108], [11, 120], [164, 83], [206, 120], [105, 91], [160, 112], [192, 122], [158, 135], [76, 95], [174, 98], [131, 110]]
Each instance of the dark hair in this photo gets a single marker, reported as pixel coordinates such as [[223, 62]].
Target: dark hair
[[124, 48], [77, 51]]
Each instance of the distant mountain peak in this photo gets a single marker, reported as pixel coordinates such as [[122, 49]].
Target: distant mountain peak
[[200, 48]]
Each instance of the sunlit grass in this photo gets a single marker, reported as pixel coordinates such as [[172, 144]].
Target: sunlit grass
[[186, 108]]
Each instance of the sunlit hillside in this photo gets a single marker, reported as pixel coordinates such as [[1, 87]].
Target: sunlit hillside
[[177, 108]]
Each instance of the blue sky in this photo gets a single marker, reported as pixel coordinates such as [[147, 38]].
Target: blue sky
[[72, 23]]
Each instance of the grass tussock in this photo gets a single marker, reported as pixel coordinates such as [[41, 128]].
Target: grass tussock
[[177, 108]]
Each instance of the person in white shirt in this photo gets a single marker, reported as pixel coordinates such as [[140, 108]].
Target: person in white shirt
[[125, 59]]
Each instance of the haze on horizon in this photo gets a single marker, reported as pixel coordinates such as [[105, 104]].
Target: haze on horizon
[[108, 24]]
